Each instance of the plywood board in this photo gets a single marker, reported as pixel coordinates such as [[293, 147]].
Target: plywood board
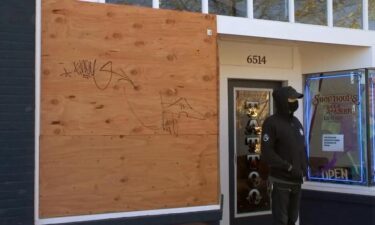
[[105, 173], [129, 109]]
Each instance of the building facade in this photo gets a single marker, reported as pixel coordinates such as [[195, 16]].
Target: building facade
[[261, 45]]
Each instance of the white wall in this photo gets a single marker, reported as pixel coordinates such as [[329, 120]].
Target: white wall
[[324, 58], [287, 61], [291, 75]]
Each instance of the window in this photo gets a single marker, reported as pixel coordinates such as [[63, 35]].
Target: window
[[271, 10], [311, 11], [371, 14], [228, 7], [335, 124], [187, 5], [147, 3], [347, 13]]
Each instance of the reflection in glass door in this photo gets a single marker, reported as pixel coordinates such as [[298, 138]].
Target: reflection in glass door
[[252, 107], [250, 103]]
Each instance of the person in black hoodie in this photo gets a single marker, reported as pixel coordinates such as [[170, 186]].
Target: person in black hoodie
[[283, 150]]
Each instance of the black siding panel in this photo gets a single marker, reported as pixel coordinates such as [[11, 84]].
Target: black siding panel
[[17, 59], [327, 208]]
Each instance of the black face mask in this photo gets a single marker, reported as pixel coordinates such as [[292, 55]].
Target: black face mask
[[293, 106]]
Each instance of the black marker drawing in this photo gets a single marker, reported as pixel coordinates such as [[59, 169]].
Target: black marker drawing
[[107, 67], [171, 112], [85, 68], [66, 73]]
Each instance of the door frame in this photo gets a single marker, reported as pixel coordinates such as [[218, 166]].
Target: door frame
[[234, 84]]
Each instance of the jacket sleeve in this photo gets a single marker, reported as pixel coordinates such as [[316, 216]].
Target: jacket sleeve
[[268, 144]]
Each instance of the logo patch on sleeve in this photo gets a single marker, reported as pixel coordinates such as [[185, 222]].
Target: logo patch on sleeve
[[266, 137]]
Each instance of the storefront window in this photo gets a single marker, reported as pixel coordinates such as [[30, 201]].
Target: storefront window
[[228, 7], [187, 5], [371, 97], [271, 10], [371, 14], [147, 3], [347, 13], [311, 11], [335, 124]]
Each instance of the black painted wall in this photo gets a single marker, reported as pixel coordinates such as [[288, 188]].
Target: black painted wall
[[326, 208], [17, 50]]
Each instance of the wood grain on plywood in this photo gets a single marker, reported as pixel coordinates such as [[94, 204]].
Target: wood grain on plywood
[[129, 109], [82, 174]]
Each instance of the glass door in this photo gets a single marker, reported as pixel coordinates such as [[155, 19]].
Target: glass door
[[250, 103]]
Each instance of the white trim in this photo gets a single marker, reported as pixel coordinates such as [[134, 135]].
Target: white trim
[[330, 13], [205, 6], [155, 4], [365, 19], [224, 143], [339, 188], [291, 11], [38, 39], [294, 31], [70, 219], [250, 9]]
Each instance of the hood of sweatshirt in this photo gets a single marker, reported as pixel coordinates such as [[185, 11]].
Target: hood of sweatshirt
[[281, 96]]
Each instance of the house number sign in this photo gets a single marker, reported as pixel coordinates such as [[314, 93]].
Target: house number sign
[[256, 59], [256, 55]]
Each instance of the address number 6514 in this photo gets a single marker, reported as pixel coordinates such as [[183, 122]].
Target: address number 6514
[[256, 59]]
